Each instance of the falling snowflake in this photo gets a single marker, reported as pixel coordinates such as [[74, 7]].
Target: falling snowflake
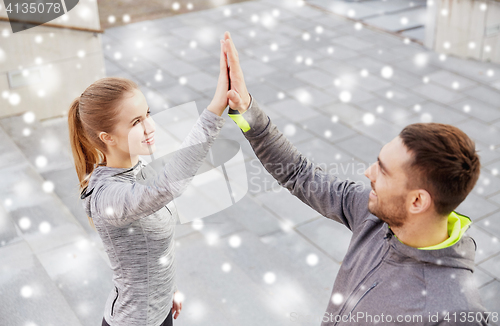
[[235, 241], [24, 223], [26, 291], [109, 211], [312, 259], [41, 161], [345, 96], [14, 99], [426, 117], [289, 130], [387, 72], [368, 119], [226, 267], [197, 224], [269, 277], [44, 227], [48, 186], [337, 298]]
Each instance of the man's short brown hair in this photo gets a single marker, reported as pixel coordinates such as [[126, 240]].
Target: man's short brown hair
[[444, 163]]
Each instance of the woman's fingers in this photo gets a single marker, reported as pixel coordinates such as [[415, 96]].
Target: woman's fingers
[[223, 61], [176, 311]]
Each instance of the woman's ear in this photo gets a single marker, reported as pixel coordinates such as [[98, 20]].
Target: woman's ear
[[106, 138]]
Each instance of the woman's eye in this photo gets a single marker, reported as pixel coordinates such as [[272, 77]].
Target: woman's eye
[[139, 120]]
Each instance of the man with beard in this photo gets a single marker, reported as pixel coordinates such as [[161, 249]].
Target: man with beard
[[408, 261]]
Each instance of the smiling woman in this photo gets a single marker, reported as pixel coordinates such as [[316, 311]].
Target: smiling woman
[[133, 133], [110, 127]]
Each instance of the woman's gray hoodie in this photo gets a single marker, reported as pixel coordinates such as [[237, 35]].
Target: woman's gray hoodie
[[133, 213]]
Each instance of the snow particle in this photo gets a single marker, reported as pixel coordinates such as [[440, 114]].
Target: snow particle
[[387, 72], [345, 96], [312, 259], [269, 277], [234, 241], [368, 119], [337, 298]]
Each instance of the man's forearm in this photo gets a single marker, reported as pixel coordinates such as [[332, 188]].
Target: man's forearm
[[339, 200], [274, 150]]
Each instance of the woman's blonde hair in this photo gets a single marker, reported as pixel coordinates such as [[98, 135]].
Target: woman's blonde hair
[[94, 111]]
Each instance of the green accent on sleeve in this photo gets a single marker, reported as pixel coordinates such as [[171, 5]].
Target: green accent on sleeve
[[457, 225], [240, 121]]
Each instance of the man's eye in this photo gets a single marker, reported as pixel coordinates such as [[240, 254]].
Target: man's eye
[[380, 169]]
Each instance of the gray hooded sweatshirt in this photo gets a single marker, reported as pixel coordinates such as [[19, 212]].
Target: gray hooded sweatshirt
[[133, 213], [380, 279]]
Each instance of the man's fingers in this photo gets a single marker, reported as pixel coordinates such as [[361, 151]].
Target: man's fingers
[[227, 36], [231, 50], [234, 99]]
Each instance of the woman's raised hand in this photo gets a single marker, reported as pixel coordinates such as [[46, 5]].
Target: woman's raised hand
[[238, 96], [220, 100]]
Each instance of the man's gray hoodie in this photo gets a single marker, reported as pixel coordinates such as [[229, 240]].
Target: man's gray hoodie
[[380, 276]]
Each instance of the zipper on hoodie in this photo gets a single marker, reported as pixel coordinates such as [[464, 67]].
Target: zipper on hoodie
[[388, 236], [114, 301], [369, 289]]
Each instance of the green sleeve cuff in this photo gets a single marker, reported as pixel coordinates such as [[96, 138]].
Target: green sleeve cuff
[[240, 121], [238, 118]]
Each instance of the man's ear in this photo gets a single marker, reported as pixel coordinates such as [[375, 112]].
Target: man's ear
[[421, 201]]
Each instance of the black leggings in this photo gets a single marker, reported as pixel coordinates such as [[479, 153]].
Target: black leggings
[[167, 322]]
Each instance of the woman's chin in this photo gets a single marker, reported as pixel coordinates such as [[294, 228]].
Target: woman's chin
[[148, 149]]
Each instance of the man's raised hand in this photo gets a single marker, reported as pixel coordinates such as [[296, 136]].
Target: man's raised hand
[[238, 96]]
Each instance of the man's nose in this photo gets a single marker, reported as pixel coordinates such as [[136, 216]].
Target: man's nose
[[369, 171]]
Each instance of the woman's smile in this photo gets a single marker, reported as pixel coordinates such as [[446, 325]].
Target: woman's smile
[[150, 140]]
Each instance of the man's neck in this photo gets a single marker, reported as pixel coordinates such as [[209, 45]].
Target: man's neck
[[420, 232]]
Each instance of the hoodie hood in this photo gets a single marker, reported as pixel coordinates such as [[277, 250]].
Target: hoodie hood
[[458, 251]]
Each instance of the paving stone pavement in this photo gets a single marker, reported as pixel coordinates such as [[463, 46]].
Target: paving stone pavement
[[325, 84]]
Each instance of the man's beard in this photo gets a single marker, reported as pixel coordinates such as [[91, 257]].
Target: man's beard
[[393, 213]]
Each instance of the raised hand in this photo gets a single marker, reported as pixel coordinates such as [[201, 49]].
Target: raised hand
[[238, 96], [220, 100]]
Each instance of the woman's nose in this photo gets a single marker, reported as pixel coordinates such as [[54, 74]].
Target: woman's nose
[[149, 125]]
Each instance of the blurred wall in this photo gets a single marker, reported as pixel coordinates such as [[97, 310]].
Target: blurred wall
[[465, 28], [48, 66]]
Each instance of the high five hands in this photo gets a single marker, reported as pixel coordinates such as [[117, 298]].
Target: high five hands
[[231, 88]]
